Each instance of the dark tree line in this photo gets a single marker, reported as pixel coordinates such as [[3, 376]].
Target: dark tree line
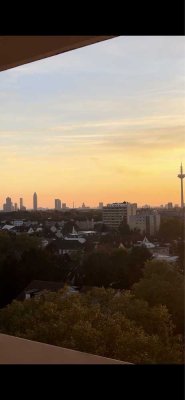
[[22, 260], [118, 269]]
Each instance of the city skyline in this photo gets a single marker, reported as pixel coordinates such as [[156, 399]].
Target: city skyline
[[103, 123], [58, 204]]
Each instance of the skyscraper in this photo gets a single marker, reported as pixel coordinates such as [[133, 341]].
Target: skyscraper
[[8, 206], [57, 204], [22, 208], [35, 201], [181, 176], [21, 203]]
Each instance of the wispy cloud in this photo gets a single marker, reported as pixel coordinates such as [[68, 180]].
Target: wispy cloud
[[159, 120], [106, 111]]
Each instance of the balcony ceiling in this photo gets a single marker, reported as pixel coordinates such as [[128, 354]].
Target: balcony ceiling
[[18, 50]]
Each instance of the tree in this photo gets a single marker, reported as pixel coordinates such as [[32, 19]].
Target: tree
[[137, 258], [181, 255], [124, 229], [99, 322], [16, 245], [171, 229], [117, 268], [100, 268], [120, 271], [101, 227], [23, 260], [163, 284], [96, 269]]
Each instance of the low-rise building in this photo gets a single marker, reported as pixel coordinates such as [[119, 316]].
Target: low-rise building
[[86, 225], [37, 287], [66, 246], [17, 222]]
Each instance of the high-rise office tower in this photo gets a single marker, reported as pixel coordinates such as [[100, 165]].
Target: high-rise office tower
[[57, 204], [100, 205], [21, 203], [8, 206], [15, 206], [35, 201], [181, 176], [22, 207]]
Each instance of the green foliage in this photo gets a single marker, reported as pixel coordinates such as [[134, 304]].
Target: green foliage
[[96, 270], [180, 252], [102, 321], [171, 229], [21, 261], [163, 284], [136, 262], [124, 229], [16, 245], [119, 269], [101, 227]]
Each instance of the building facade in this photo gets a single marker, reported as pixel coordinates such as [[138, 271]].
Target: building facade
[[21, 203], [86, 225], [35, 201], [117, 213], [8, 206], [146, 222], [57, 204]]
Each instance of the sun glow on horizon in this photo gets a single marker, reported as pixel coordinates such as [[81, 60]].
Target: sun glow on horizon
[[101, 123]]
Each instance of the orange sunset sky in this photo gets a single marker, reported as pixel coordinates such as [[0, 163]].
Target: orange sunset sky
[[101, 123]]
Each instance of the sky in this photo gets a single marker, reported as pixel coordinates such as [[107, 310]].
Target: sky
[[102, 123]]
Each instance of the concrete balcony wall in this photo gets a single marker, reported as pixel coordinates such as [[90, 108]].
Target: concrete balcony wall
[[14, 350]]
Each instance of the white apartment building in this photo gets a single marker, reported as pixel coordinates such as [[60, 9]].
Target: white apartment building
[[116, 213], [147, 223]]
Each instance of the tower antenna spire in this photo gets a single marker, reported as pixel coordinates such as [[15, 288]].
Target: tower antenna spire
[[181, 176]]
